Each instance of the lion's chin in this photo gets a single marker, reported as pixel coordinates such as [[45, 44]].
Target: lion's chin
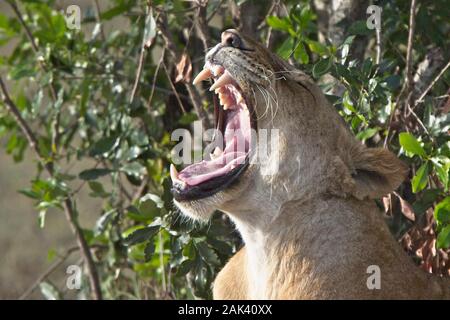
[[198, 210]]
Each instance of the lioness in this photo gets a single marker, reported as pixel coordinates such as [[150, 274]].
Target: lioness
[[311, 228]]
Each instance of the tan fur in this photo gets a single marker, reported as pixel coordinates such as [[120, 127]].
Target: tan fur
[[312, 229]]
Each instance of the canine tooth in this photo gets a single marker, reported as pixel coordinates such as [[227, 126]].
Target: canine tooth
[[203, 75], [174, 175], [173, 172], [223, 80]]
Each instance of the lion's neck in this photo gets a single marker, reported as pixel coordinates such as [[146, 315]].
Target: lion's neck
[[268, 255]]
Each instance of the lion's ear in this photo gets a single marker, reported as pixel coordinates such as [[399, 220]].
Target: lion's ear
[[376, 172]]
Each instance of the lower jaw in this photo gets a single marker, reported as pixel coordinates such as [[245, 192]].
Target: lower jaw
[[210, 187]]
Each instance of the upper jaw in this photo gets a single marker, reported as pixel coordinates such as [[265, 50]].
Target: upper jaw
[[190, 190]]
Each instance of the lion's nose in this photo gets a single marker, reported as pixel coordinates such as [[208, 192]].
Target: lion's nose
[[231, 39]]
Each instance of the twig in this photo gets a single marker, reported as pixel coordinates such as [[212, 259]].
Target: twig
[[155, 75], [173, 88], [97, 17], [426, 70], [68, 203], [161, 261], [144, 48], [140, 190], [378, 45], [425, 92], [417, 119], [409, 71], [201, 24], [47, 272], [215, 10], [138, 74]]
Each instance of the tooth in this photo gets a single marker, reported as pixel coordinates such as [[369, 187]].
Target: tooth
[[222, 98], [218, 70], [174, 175], [203, 75], [173, 172], [216, 153], [219, 90], [223, 80]]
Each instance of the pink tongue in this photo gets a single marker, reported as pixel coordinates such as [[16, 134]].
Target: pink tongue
[[237, 135]]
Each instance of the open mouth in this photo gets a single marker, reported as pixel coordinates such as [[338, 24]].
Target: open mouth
[[234, 121]]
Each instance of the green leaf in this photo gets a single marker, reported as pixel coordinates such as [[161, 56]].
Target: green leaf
[[301, 54], [317, 47], [154, 198], [359, 28], [285, 50], [104, 145], [442, 211], [207, 254], [443, 238], [51, 255], [103, 221], [141, 235], [92, 174], [321, 67], [279, 24], [185, 267], [367, 134], [150, 29], [442, 167], [187, 118], [133, 169], [30, 193], [149, 251], [420, 180], [410, 144], [22, 71], [97, 189], [49, 291], [348, 103]]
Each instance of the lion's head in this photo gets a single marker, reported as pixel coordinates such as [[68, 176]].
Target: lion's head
[[314, 152]]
